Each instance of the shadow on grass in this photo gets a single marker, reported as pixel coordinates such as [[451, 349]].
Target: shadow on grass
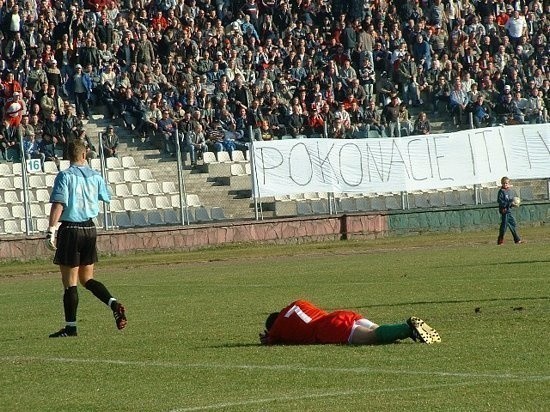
[[430, 302], [514, 262]]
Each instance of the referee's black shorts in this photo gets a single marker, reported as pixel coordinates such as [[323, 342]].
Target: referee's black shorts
[[76, 244]]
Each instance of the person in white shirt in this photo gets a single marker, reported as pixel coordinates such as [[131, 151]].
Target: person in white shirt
[[459, 102], [516, 26]]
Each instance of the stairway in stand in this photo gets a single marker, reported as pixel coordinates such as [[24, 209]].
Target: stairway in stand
[[164, 169]]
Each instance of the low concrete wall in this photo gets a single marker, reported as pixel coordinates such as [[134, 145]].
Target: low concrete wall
[[288, 230]]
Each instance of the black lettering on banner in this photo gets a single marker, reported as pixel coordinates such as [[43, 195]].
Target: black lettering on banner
[[503, 148], [325, 159], [526, 147], [544, 142], [397, 158], [472, 155], [302, 163], [269, 156], [487, 151], [356, 168], [371, 156], [411, 160], [437, 157]]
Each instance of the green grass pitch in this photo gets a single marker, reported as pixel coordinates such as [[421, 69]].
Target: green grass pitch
[[194, 317]]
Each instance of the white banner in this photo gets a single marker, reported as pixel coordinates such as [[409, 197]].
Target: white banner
[[401, 164]]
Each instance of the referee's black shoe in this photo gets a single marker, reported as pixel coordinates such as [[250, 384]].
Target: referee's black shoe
[[66, 332]]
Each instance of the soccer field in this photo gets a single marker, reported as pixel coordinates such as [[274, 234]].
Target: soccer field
[[192, 339]]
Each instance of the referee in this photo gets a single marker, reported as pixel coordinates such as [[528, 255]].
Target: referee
[[75, 202]]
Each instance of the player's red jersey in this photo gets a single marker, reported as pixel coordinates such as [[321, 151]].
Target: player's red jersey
[[303, 323]]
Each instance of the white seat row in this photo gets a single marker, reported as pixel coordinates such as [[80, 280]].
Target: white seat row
[[240, 169], [114, 163], [152, 202], [223, 157], [130, 175], [18, 226]]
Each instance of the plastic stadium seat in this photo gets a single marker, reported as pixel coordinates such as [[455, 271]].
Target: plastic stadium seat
[[130, 204], [238, 156], [16, 169], [18, 182], [121, 190], [12, 226], [50, 167], [223, 157], [347, 204], [6, 183], [11, 196], [41, 224], [237, 169], [209, 157], [153, 188], [95, 164], [175, 200], [137, 189], [121, 219], [114, 176], [311, 195], [31, 196], [217, 213], [145, 203], [319, 206], [113, 163], [128, 162], [130, 175], [145, 175], [116, 205], [304, 208], [202, 214], [155, 217], [5, 169], [5, 212], [18, 211], [64, 164], [50, 179], [193, 200], [138, 218], [172, 217], [162, 202], [37, 210], [169, 187], [37, 181], [47, 208], [247, 168]]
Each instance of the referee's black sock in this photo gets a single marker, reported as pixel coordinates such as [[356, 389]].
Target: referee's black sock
[[70, 304], [99, 290]]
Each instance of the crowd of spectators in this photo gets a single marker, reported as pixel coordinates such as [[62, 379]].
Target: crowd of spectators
[[216, 74]]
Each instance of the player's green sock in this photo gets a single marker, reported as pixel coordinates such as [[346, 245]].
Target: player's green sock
[[391, 333]]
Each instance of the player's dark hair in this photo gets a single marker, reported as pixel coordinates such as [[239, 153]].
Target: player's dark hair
[[271, 320]]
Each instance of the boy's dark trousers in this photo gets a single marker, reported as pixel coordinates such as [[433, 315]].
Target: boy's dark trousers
[[507, 221]]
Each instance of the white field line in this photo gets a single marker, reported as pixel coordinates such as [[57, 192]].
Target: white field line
[[297, 368], [282, 399]]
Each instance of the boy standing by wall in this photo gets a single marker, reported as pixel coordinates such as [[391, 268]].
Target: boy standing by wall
[[505, 203]]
